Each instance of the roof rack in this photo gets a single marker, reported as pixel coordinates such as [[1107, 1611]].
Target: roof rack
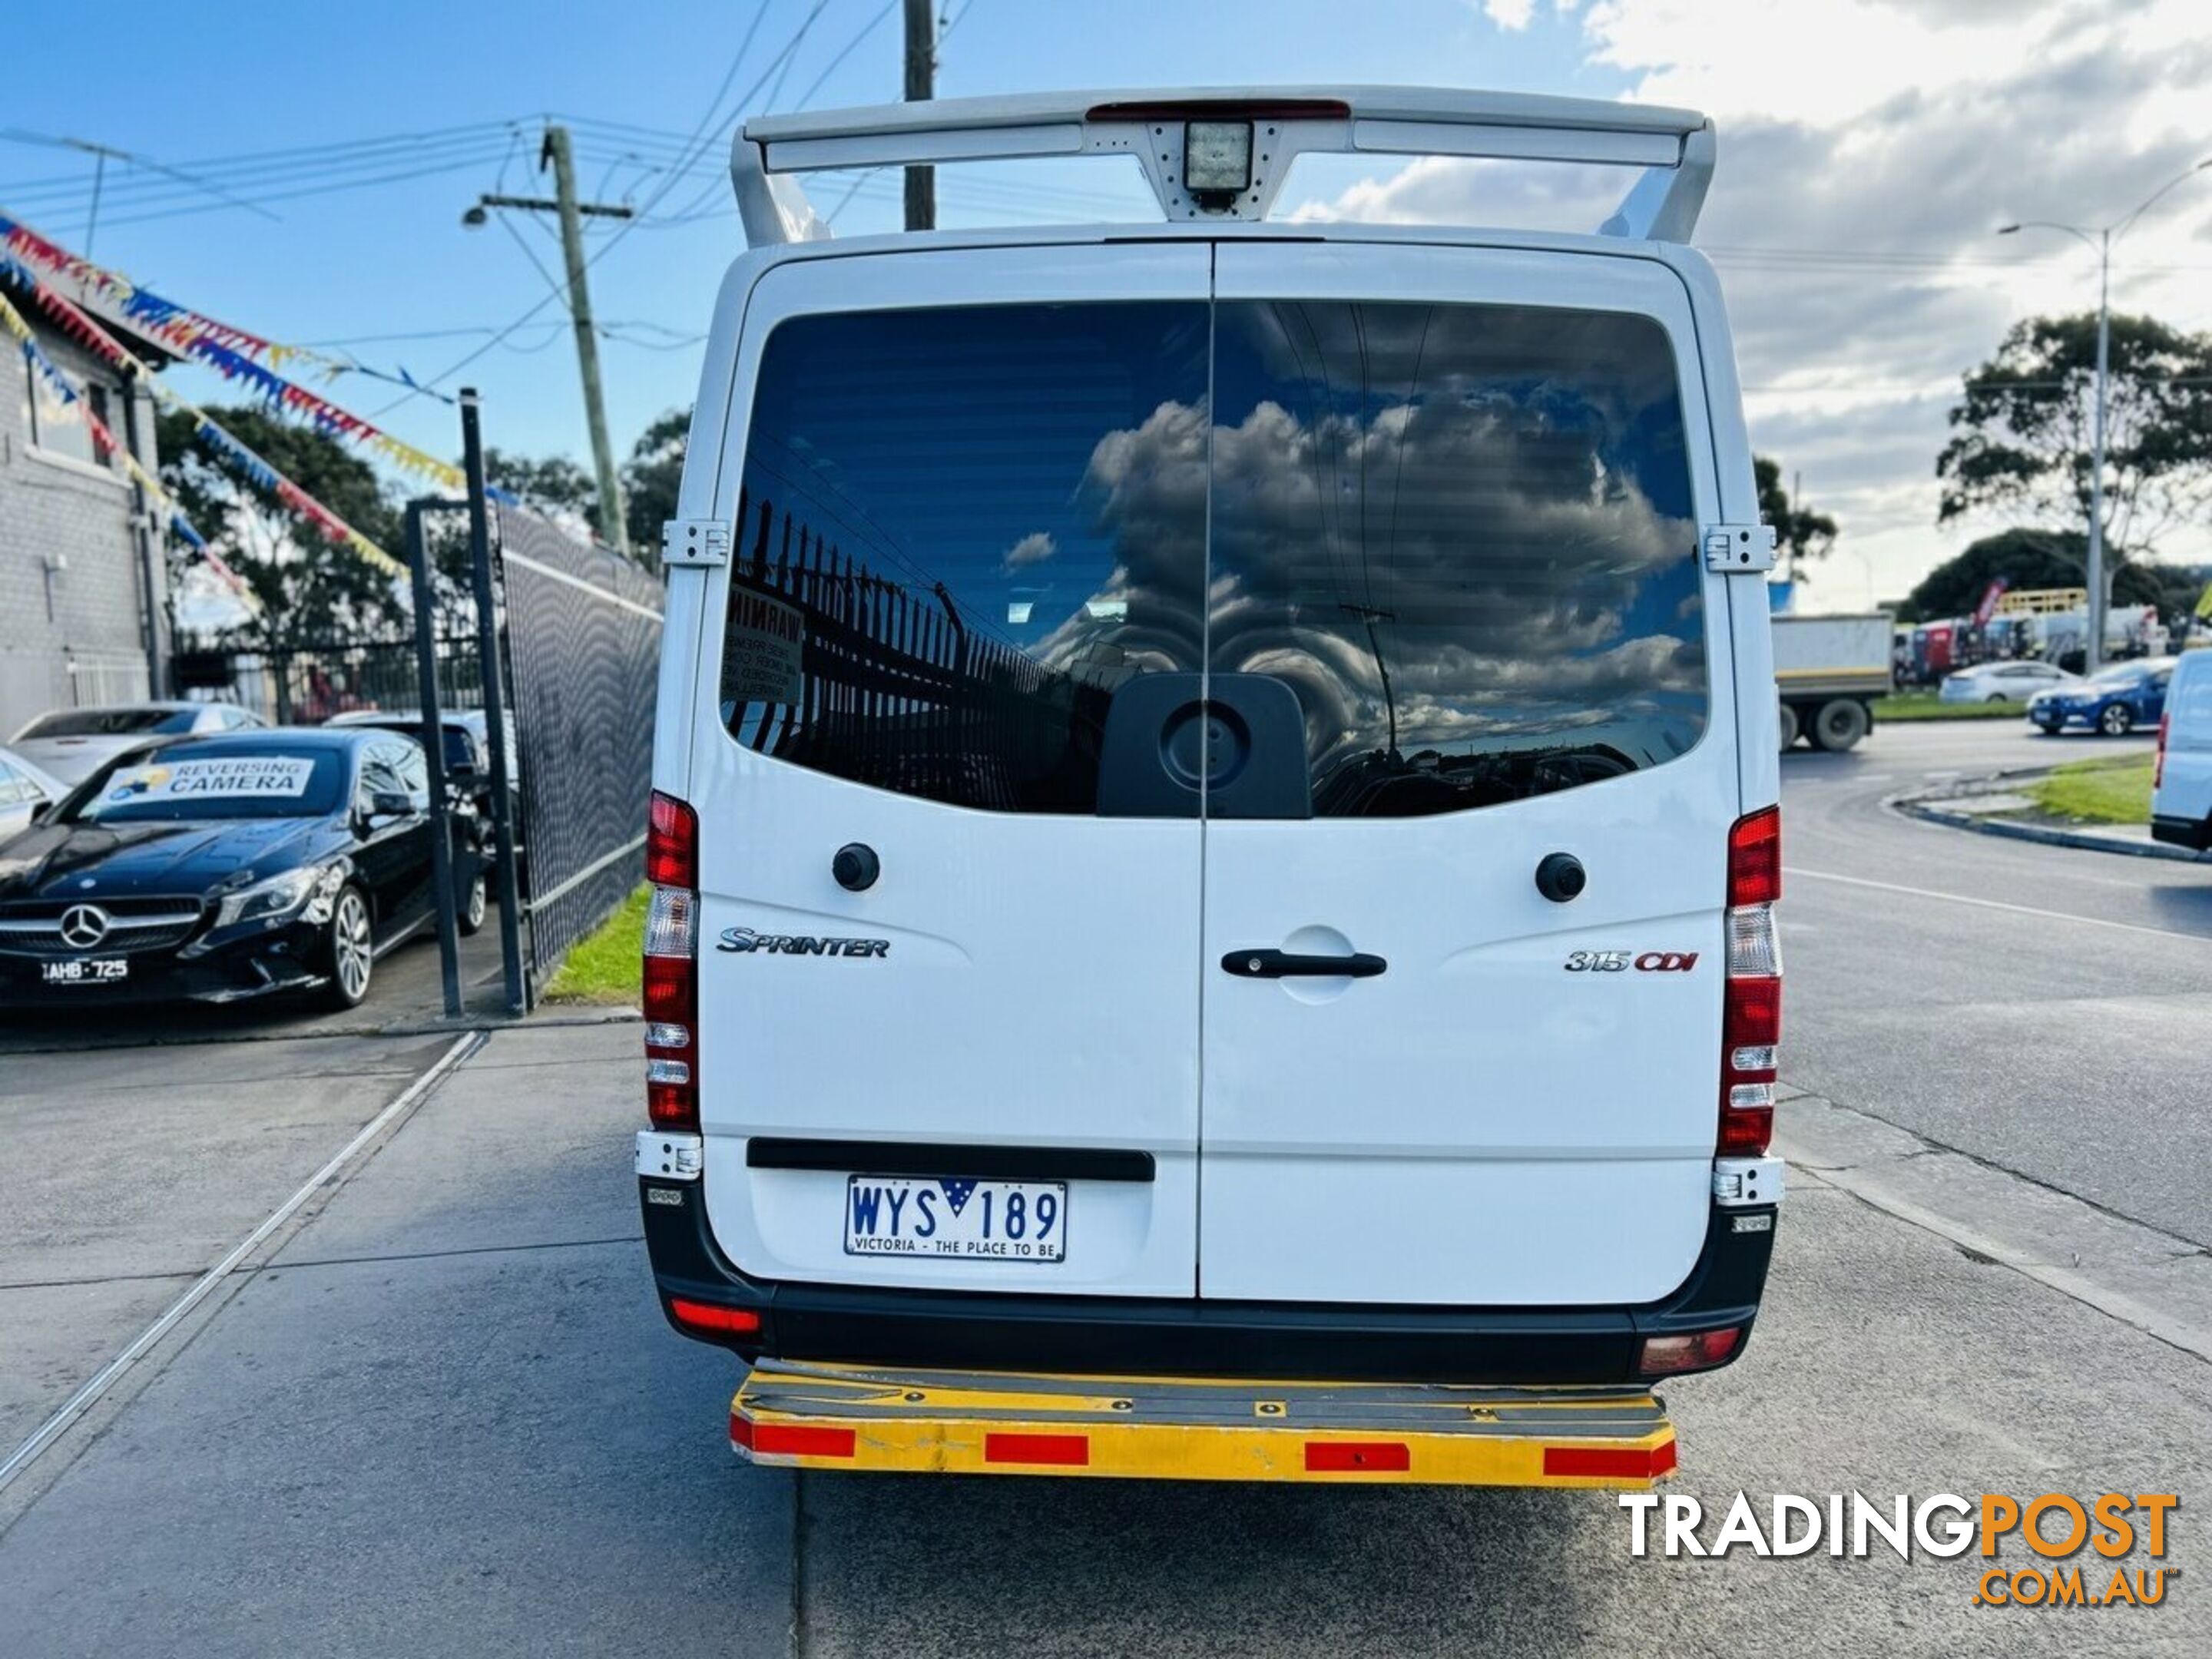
[[1245, 143]]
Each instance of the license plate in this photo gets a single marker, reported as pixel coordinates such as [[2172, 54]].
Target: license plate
[[972, 1220], [87, 970]]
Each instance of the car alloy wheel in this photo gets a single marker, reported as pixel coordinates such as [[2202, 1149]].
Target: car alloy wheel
[[353, 955], [474, 906], [2116, 722]]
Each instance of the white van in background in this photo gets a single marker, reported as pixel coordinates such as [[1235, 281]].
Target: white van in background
[[2181, 796], [1215, 815]]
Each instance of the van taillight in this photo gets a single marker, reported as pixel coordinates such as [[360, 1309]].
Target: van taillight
[[672, 965], [2158, 766], [1751, 1011]]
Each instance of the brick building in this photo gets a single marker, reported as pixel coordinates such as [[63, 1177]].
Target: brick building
[[83, 590]]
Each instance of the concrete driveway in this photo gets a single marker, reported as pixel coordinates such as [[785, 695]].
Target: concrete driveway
[[438, 1413]]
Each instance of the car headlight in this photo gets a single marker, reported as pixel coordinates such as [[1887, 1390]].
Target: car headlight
[[281, 895]]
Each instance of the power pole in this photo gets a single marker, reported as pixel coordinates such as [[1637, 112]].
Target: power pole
[[614, 528], [921, 86], [2094, 653]]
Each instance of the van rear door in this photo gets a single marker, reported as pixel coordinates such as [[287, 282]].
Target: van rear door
[[925, 623], [1456, 503]]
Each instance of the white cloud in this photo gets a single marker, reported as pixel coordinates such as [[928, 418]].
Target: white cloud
[[1033, 548], [1510, 14], [1868, 149]]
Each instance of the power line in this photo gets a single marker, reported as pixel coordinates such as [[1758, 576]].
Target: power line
[[325, 164], [690, 212], [652, 201]]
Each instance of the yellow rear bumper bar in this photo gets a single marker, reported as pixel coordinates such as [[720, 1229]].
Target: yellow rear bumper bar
[[797, 1415]]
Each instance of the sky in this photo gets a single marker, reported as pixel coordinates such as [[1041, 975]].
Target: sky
[[1869, 151]]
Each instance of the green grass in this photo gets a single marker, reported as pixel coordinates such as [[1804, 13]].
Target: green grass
[[607, 968], [2097, 791], [1924, 705]]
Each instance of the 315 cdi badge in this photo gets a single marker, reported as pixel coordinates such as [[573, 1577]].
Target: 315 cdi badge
[[224, 867]]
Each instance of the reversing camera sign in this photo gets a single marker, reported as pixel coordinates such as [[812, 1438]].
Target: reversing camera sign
[[229, 777]]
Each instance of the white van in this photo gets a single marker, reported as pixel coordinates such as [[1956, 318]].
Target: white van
[[2181, 796], [1215, 793]]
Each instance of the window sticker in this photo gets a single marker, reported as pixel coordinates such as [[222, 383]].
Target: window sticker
[[764, 646], [233, 776]]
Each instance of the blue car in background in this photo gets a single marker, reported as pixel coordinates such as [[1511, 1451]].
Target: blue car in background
[[2115, 700]]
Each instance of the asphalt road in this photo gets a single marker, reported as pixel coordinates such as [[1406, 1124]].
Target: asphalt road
[[437, 1411], [2048, 1012]]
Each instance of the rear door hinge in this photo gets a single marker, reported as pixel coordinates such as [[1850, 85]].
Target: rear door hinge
[[1740, 548], [694, 541]]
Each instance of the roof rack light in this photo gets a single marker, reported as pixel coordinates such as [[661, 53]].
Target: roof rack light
[[1219, 155]]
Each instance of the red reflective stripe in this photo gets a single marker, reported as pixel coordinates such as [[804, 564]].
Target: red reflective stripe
[[1610, 1463], [1339, 1456], [790, 1439], [708, 1318], [1071, 1450]]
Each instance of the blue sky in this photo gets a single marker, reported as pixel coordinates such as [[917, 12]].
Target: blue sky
[[1868, 149], [395, 259]]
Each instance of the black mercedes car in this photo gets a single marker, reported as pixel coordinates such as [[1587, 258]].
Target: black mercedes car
[[218, 868]]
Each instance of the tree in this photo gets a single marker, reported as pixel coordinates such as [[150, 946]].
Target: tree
[[1800, 534], [2038, 558], [551, 480], [310, 588], [651, 476], [2026, 423]]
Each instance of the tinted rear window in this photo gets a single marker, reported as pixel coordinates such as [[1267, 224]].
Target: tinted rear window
[[1462, 537], [931, 594], [109, 722]]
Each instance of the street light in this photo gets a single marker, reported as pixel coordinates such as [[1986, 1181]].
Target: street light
[[2101, 245]]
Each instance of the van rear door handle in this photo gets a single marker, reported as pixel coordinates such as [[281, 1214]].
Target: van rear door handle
[[1281, 964]]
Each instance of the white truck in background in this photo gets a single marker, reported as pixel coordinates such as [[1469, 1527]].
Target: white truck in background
[[1828, 670]]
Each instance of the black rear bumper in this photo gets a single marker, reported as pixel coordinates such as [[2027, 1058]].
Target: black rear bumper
[[1171, 1337], [2193, 833]]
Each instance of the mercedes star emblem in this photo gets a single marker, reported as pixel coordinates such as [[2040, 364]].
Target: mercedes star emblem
[[83, 925]]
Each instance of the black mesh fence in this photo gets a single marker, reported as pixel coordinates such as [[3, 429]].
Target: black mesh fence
[[583, 629]]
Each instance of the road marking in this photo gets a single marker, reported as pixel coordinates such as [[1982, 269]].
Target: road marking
[[87, 1396], [1995, 904], [1869, 1190]]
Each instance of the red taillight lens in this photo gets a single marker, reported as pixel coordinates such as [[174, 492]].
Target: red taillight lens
[[1751, 1011], [706, 1317], [671, 1021], [671, 966], [2158, 766], [1755, 857], [1698, 1351], [671, 842]]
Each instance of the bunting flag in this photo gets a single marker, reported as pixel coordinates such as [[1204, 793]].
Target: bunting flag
[[177, 327], [231, 352], [73, 399], [242, 459]]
